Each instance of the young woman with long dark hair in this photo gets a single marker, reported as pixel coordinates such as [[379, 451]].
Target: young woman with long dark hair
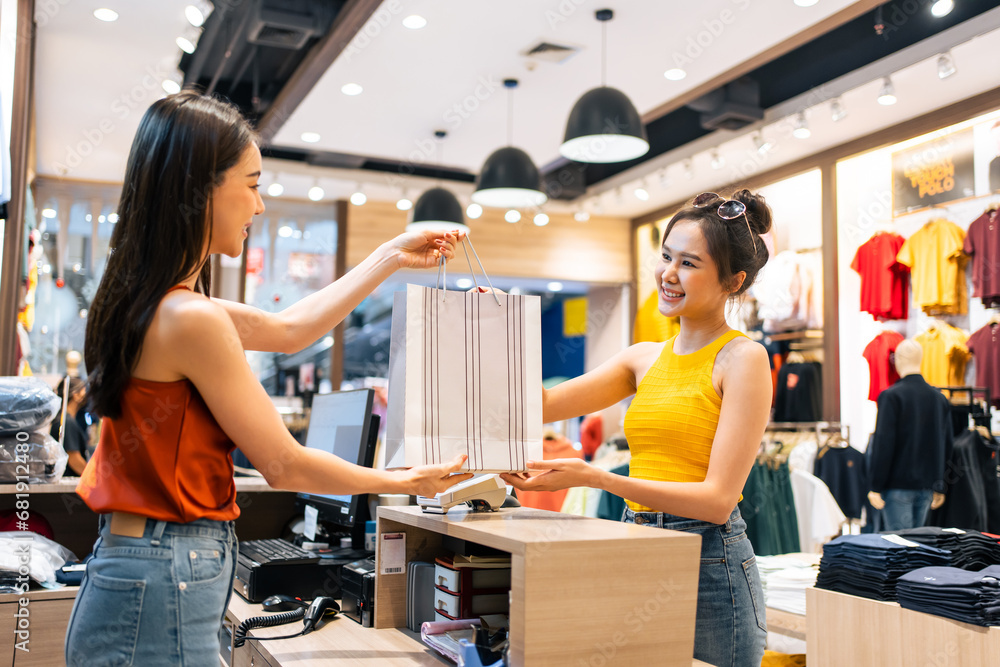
[[702, 401], [168, 376]]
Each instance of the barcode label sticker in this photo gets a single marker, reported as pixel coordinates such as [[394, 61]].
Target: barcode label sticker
[[392, 553]]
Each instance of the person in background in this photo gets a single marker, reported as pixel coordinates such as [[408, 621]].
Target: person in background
[[75, 440], [702, 401], [169, 377]]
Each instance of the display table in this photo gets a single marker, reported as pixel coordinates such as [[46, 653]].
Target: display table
[[584, 591], [848, 630]]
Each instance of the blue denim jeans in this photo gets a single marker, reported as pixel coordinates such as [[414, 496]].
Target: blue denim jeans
[[905, 508], [153, 600], [730, 625]]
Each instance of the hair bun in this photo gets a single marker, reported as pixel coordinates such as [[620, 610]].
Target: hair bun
[[758, 212]]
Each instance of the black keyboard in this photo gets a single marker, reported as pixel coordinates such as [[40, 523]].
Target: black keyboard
[[276, 552]]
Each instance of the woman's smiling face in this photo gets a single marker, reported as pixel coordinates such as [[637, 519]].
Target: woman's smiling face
[[687, 277]]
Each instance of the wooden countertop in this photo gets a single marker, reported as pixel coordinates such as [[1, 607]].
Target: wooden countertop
[[68, 485]]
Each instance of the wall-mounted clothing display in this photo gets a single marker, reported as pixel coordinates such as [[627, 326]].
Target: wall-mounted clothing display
[[945, 355], [881, 363], [799, 396], [937, 264], [789, 292], [984, 344], [982, 243], [884, 280]]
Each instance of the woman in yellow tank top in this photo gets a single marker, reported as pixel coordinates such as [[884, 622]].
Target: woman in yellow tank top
[[702, 401]]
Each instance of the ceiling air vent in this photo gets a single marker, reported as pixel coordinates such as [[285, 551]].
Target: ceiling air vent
[[286, 24], [549, 52]]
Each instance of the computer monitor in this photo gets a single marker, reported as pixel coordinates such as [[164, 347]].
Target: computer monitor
[[342, 423]]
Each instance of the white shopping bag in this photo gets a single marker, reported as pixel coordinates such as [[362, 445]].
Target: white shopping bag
[[465, 377]]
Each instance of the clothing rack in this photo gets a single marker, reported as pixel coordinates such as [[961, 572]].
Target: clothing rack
[[983, 394], [819, 427]]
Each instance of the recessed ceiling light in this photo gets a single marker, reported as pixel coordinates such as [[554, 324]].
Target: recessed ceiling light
[[675, 74], [554, 287], [310, 137], [474, 211], [805, 3], [194, 16], [351, 89], [942, 8], [642, 194], [541, 219], [48, 213], [285, 231], [359, 198], [275, 189], [101, 218], [105, 14], [414, 22], [171, 86], [185, 44], [316, 193], [404, 204], [112, 218], [512, 216]]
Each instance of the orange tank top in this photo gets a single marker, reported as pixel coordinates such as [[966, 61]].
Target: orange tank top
[[165, 457]]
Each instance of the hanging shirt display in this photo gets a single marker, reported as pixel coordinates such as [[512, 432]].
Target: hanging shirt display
[[983, 243], [651, 326], [800, 393], [984, 344], [934, 255], [881, 367], [945, 355], [884, 280], [789, 293]]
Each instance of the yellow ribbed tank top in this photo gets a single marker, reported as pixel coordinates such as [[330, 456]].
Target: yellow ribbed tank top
[[671, 422]]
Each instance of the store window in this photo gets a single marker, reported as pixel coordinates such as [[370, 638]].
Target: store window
[[938, 183]]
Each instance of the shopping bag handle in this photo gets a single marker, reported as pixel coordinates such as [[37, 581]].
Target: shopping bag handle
[[443, 271]]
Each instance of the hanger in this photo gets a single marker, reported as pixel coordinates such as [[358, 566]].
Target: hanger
[[994, 318], [837, 441]]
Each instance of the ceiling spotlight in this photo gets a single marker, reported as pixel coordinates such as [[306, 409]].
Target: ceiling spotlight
[[112, 218], [581, 216], [351, 89], [310, 137], [171, 86], [887, 93], [101, 218], [945, 65], [106, 15], [185, 44], [664, 179], [358, 198], [675, 74], [285, 231], [194, 16], [641, 193], [463, 283], [554, 287], [404, 203], [762, 145], [512, 216], [414, 22], [316, 193], [688, 169], [48, 213], [275, 189], [474, 211], [805, 3], [837, 110], [541, 219], [942, 8], [718, 162], [801, 129]]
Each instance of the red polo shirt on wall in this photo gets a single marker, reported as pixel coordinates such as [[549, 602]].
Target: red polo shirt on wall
[[881, 365], [884, 281]]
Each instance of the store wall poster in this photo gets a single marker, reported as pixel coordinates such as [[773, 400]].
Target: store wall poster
[[935, 172]]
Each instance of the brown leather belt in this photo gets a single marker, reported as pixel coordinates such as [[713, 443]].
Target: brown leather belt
[[127, 525]]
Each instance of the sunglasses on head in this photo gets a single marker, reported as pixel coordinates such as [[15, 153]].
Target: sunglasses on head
[[729, 209]]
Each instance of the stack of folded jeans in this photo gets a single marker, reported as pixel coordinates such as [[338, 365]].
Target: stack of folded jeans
[[970, 549], [869, 565], [971, 597]]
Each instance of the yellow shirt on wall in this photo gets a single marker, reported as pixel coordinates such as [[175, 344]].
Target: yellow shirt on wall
[[937, 263], [945, 355], [651, 326]]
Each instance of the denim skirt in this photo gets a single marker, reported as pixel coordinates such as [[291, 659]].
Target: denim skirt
[[730, 626], [153, 600]]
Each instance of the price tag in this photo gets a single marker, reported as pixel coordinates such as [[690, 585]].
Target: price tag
[[392, 553], [312, 515]]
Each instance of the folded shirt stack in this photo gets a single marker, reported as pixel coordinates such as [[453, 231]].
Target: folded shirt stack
[[869, 565], [970, 549], [785, 579], [971, 597]]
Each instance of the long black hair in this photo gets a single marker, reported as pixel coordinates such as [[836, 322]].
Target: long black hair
[[183, 147]]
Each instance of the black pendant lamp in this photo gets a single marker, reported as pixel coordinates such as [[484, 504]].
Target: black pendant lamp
[[604, 125], [437, 209], [509, 179]]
